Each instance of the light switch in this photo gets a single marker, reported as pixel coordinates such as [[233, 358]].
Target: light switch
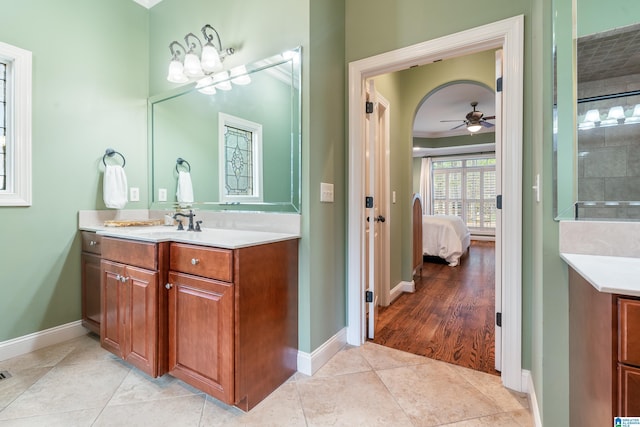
[[162, 194], [326, 192], [393, 197], [134, 194]]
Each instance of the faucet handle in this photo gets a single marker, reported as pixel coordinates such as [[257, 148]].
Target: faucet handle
[[198, 225], [180, 227]]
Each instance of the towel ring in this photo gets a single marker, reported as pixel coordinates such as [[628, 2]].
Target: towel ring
[[180, 161], [111, 152]]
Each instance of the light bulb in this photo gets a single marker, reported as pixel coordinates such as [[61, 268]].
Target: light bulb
[[239, 75], [211, 59], [616, 113], [176, 72], [592, 116], [474, 127], [192, 66]]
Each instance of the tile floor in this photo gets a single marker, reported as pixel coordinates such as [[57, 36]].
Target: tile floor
[[77, 383]]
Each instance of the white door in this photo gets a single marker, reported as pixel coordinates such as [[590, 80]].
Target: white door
[[498, 263], [373, 219]]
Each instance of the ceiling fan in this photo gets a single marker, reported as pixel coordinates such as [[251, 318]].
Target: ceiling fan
[[474, 120]]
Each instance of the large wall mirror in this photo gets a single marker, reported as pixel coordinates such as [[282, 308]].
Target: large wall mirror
[[237, 139], [597, 134]]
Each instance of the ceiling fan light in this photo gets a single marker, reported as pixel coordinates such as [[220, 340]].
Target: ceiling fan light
[[474, 127]]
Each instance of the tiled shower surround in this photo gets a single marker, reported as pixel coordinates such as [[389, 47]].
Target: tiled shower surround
[[609, 156]]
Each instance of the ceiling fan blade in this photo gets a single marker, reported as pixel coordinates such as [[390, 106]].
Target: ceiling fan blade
[[489, 117], [487, 124], [459, 126], [442, 121]]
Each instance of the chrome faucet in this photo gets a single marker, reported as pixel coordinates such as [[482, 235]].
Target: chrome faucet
[[190, 216]]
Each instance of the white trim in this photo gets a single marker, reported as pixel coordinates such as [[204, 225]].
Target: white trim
[[507, 34], [37, 340], [400, 288], [309, 363], [19, 91], [384, 152], [147, 3], [527, 380]]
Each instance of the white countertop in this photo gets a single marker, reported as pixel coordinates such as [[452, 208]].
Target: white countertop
[[610, 274], [218, 237]]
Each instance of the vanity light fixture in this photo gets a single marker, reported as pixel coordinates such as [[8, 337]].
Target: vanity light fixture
[[221, 80], [192, 66], [206, 86], [474, 127]]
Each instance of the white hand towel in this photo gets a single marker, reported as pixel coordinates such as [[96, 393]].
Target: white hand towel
[[114, 187], [184, 193]]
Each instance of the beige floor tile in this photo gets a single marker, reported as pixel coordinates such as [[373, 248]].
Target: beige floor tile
[[18, 383], [347, 361], [83, 418], [498, 420], [280, 408], [434, 394], [523, 417], [139, 387], [69, 388], [177, 411], [381, 357], [47, 357], [349, 400], [491, 386], [87, 349]]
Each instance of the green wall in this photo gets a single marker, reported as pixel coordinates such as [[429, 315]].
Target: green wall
[[89, 93]]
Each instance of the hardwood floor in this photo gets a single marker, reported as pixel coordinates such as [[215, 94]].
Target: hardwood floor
[[450, 317]]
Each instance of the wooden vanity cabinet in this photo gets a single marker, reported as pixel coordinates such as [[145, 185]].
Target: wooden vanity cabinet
[[133, 302], [90, 282], [233, 319], [604, 350], [628, 357]]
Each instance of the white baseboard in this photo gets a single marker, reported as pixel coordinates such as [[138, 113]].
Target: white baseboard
[[37, 340], [309, 363], [400, 288], [527, 381]]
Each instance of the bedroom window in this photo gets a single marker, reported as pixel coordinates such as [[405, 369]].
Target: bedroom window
[[466, 187]]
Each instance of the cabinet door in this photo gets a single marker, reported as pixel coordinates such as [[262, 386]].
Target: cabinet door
[[114, 296], [91, 309], [629, 327], [629, 394], [201, 334], [141, 319]]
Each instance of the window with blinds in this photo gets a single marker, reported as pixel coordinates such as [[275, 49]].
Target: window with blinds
[[466, 187]]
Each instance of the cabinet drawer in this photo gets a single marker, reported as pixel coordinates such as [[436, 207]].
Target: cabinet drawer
[[629, 330], [202, 261], [91, 242], [628, 391], [139, 254]]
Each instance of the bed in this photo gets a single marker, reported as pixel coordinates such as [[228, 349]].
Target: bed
[[444, 236]]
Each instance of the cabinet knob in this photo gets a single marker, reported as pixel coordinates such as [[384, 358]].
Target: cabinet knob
[[93, 243], [123, 279], [195, 261], [168, 286]]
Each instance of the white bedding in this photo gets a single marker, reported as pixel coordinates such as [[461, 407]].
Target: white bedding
[[445, 236]]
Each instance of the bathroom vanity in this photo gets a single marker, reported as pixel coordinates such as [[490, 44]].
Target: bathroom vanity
[[217, 309], [604, 320]]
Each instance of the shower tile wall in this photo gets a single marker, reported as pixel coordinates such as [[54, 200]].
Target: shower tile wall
[[609, 157]]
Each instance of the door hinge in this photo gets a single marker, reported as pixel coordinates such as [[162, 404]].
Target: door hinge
[[368, 107], [499, 84], [368, 296], [499, 320], [368, 202], [499, 201]]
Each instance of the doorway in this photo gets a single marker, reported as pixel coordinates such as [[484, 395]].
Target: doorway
[[508, 36]]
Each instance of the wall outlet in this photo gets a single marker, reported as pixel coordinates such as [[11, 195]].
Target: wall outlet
[[162, 194], [326, 192], [134, 194]]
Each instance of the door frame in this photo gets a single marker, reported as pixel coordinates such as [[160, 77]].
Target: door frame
[[507, 34]]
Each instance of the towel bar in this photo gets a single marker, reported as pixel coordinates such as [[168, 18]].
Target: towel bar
[[111, 152], [180, 161]]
